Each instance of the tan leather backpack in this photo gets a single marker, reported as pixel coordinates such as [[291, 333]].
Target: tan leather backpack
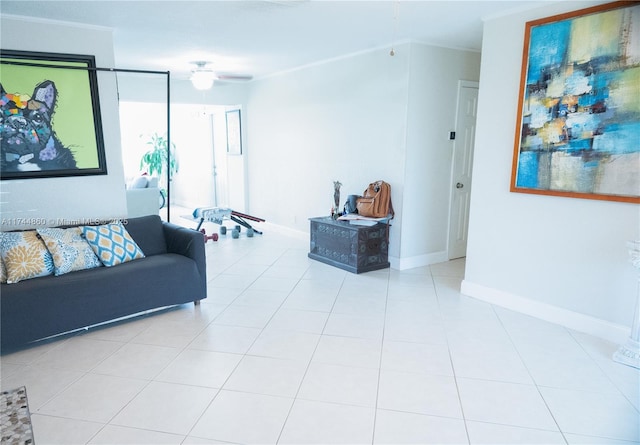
[[375, 202]]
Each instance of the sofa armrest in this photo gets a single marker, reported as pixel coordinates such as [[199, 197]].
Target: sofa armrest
[[189, 243]]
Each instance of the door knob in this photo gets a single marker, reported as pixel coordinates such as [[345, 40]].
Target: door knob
[[459, 185]]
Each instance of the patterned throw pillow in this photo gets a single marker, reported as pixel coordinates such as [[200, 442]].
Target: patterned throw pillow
[[3, 271], [112, 243], [24, 256], [70, 251]]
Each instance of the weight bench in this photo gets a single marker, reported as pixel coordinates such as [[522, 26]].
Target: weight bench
[[218, 215]]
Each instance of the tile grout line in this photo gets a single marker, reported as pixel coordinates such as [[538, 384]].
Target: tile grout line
[[546, 404], [295, 397], [451, 362], [604, 372], [384, 325], [219, 390], [153, 379]]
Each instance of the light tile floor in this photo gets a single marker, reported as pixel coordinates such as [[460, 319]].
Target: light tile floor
[[289, 350]]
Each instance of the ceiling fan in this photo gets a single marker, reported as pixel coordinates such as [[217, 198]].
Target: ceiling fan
[[202, 77]]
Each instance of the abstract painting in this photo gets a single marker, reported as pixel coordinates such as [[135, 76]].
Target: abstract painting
[[50, 123], [578, 125]]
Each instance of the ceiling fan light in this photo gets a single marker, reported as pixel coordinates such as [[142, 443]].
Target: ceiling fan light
[[202, 80]]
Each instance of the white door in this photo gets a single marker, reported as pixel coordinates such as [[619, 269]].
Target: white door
[[219, 170], [214, 168], [462, 167]]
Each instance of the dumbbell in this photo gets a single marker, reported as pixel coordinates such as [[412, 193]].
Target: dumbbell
[[213, 236]]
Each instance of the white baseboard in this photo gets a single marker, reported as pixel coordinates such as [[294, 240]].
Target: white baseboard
[[298, 234], [418, 260], [573, 320]]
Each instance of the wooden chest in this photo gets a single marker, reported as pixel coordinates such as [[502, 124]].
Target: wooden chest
[[348, 246]]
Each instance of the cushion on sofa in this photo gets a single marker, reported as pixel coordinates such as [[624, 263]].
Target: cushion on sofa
[[69, 250], [3, 271], [112, 243], [148, 233], [25, 256], [139, 182]]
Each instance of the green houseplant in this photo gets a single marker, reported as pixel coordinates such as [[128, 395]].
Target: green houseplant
[[154, 162]]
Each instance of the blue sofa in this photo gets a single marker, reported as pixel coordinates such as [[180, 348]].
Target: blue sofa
[[173, 272]]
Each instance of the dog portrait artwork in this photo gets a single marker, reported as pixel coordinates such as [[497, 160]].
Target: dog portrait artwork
[[28, 142]]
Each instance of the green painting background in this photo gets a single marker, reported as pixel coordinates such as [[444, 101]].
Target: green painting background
[[72, 119]]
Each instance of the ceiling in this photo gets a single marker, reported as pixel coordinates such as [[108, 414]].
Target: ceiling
[[264, 37]]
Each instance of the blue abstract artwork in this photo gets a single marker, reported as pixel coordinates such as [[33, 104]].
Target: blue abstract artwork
[[578, 127]]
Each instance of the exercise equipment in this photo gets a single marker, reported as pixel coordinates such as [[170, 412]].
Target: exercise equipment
[[218, 215], [213, 236]]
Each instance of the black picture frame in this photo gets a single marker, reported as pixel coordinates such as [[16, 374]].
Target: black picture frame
[[234, 132], [50, 116]]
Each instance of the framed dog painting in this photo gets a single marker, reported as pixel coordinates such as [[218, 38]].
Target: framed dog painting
[[50, 122]]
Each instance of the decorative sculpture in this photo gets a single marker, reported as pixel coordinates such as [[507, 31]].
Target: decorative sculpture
[[336, 195]]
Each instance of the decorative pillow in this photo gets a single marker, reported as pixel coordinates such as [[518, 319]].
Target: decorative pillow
[[152, 182], [3, 271], [112, 243], [139, 182], [70, 251], [24, 256]]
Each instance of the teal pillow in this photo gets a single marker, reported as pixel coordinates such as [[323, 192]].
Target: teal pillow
[[112, 243]]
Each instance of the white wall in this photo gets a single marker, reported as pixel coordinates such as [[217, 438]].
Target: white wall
[[343, 120], [432, 101], [561, 259], [358, 119], [57, 199]]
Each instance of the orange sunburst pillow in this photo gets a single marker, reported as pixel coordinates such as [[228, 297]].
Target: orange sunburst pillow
[[24, 256]]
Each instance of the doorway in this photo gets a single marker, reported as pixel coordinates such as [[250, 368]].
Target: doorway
[[462, 168], [206, 176]]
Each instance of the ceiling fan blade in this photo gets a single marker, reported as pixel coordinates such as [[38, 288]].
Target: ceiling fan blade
[[234, 77]]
